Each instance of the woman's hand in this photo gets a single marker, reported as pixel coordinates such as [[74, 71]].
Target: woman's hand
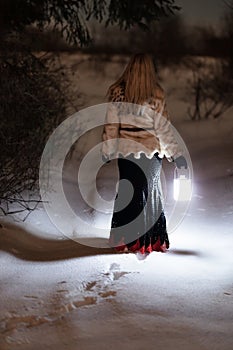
[[105, 159], [181, 162]]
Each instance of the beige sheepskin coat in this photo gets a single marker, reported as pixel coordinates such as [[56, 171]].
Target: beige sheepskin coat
[[131, 128]]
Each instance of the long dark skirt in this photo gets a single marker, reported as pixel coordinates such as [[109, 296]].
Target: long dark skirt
[[138, 222]]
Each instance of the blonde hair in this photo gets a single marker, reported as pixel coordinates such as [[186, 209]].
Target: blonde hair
[[139, 79]]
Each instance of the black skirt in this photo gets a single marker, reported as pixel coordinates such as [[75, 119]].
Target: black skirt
[[138, 221]]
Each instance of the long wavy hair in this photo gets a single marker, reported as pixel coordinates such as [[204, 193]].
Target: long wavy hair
[[139, 80]]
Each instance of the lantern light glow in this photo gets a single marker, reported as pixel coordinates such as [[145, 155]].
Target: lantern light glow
[[182, 185]]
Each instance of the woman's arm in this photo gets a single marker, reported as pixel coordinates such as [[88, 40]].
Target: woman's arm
[[164, 132]]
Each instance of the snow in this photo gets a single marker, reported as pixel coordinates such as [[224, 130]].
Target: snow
[[60, 294]]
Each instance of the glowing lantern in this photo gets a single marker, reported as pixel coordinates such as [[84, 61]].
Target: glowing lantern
[[182, 185]]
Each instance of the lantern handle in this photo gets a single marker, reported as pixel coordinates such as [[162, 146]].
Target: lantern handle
[[182, 171]]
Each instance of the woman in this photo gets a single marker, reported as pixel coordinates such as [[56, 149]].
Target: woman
[[137, 131]]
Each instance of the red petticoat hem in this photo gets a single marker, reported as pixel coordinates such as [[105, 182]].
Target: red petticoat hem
[[157, 246]]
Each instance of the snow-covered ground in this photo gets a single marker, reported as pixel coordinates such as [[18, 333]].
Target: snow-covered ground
[[58, 294]]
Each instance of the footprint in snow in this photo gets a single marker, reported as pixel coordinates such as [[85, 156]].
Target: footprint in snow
[[115, 273]]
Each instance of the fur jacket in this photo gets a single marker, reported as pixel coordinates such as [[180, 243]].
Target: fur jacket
[[131, 128]]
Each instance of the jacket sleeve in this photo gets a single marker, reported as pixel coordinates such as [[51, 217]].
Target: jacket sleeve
[[164, 131], [111, 131]]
